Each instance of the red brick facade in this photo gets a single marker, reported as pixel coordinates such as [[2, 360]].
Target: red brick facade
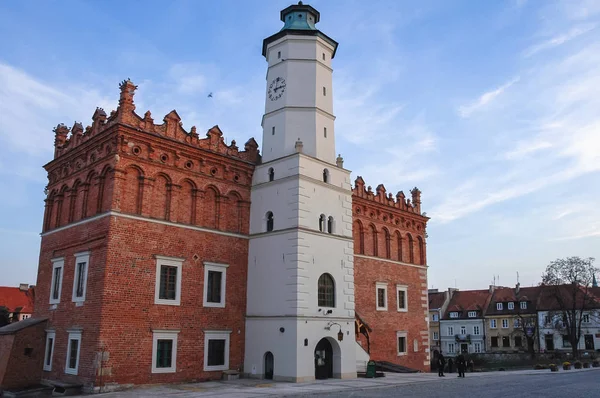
[[127, 190], [389, 251]]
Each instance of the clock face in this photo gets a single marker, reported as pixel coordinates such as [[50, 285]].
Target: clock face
[[276, 88]]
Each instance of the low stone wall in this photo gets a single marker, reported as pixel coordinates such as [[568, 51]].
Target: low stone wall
[[497, 360]]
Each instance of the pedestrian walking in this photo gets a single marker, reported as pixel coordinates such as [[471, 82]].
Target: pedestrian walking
[[441, 364], [461, 364]]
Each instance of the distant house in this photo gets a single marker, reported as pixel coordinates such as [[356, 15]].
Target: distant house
[[553, 335], [18, 300], [462, 326], [510, 319], [438, 301]]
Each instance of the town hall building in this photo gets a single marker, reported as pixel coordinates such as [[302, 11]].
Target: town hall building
[[170, 257]]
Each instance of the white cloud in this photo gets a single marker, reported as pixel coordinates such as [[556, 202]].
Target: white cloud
[[525, 148], [560, 39], [485, 99]]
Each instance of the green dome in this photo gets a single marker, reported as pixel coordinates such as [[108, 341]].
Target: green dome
[[299, 17]]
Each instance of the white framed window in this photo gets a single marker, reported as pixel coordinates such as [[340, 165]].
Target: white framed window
[[25, 316], [381, 296], [73, 350], [164, 351], [82, 261], [168, 280], [450, 330], [451, 348], [472, 314], [477, 347], [585, 318], [436, 336], [454, 315], [49, 352], [435, 317], [476, 330], [523, 305], [216, 350], [511, 305], [58, 266], [402, 296], [499, 306], [517, 323], [215, 277], [463, 330], [505, 324], [401, 338], [493, 324]]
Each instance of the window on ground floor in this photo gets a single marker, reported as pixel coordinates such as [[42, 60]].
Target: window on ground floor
[[164, 351], [401, 337], [505, 341], [518, 341], [73, 350], [50, 339], [477, 347], [451, 348], [494, 341], [216, 350]]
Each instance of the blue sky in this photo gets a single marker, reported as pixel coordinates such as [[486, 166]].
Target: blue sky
[[491, 108]]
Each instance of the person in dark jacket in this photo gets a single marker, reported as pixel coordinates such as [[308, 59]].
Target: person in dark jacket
[[450, 365], [461, 365], [441, 362]]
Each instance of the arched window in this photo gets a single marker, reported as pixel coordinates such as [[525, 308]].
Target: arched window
[[269, 221], [421, 251], [326, 294], [322, 223], [271, 174], [411, 249], [388, 243], [325, 175], [330, 225], [399, 239], [374, 240]]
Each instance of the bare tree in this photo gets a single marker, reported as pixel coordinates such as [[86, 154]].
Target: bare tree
[[568, 283], [526, 317]]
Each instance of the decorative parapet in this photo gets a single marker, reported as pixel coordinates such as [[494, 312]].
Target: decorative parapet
[[172, 128], [381, 196]]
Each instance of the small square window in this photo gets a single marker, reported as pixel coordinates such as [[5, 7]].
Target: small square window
[[435, 318], [73, 349], [523, 305], [164, 351], [80, 278], [401, 337], [511, 305], [58, 265], [49, 352], [454, 315], [499, 306], [215, 278], [168, 280], [381, 296], [216, 350], [472, 314]]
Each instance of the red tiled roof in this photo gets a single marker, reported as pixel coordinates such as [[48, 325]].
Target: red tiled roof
[[14, 298], [468, 300], [548, 299], [508, 294], [436, 300]]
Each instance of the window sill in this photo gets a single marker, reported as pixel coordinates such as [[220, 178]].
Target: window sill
[[71, 371], [401, 354], [402, 309], [164, 370], [216, 368], [53, 306], [167, 302], [381, 308], [214, 305]]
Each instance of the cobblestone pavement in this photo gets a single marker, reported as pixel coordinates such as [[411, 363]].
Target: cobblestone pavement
[[530, 383]]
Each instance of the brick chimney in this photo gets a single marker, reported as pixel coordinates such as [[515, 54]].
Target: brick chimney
[[23, 287]]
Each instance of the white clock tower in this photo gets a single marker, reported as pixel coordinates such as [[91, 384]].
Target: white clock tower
[[300, 304]]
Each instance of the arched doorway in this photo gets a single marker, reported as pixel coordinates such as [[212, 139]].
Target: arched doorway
[[323, 359], [269, 363]]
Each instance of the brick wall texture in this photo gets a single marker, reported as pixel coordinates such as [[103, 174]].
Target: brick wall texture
[[126, 190]]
